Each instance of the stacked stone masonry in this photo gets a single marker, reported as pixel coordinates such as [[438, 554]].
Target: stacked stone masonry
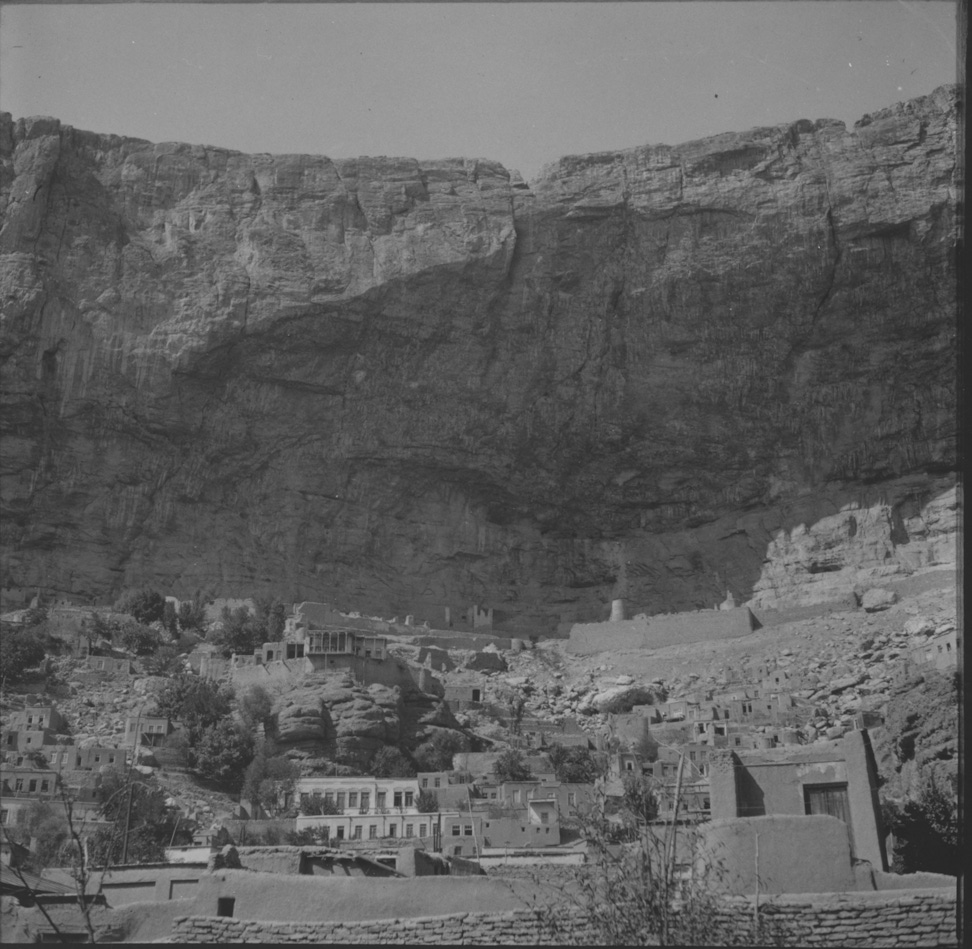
[[854, 920], [511, 928]]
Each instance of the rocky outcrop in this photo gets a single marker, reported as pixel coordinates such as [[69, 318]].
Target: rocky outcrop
[[329, 717], [401, 386]]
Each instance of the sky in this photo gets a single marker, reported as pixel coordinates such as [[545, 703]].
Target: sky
[[520, 83]]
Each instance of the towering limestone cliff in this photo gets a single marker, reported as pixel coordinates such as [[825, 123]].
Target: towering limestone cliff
[[400, 386]]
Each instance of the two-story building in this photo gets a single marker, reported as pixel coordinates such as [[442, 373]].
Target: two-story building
[[149, 730]]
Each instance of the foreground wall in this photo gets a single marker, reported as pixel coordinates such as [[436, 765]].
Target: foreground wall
[[920, 918]]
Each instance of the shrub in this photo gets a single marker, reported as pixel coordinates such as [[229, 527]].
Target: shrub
[[192, 614], [197, 703], [427, 803], [145, 605], [389, 762], [511, 767], [222, 754], [137, 638], [576, 764], [313, 805], [256, 707], [20, 650], [270, 780], [436, 753]]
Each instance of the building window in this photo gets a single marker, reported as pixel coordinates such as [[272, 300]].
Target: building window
[[423, 830], [340, 833], [409, 798], [11, 739], [393, 830], [467, 830], [3, 817], [397, 799], [571, 799], [372, 831], [516, 797], [409, 830], [326, 832], [340, 800], [365, 801], [425, 782], [352, 798], [356, 833], [457, 851], [456, 830], [438, 782], [544, 817], [329, 797], [380, 799], [32, 786], [45, 785], [225, 905]]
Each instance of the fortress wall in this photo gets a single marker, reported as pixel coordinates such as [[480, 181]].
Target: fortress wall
[[657, 631]]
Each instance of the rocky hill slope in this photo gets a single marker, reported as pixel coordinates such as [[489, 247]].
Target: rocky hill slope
[[401, 385]]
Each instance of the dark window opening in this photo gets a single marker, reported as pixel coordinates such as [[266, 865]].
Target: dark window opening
[[225, 905]]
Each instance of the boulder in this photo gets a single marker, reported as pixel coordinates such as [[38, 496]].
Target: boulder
[[620, 698], [878, 599], [919, 626]]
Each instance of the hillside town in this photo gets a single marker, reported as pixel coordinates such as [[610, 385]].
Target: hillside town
[[349, 745]]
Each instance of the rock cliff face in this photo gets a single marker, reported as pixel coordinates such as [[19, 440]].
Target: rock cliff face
[[402, 386]]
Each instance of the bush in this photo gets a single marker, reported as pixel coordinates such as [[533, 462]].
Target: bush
[[436, 753], [389, 762], [926, 830], [576, 764], [142, 640], [313, 805], [145, 605], [427, 803], [256, 707], [197, 703], [510, 767], [240, 632], [170, 620], [192, 614], [222, 754], [20, 650], [270, 781]]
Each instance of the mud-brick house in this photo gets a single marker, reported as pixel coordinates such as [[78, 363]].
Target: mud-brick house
[[467, 693], [151, 730], [21, 788], [39, 717], [837, 778], [939, 652]]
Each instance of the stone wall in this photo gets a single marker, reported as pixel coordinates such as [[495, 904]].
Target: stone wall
[[510, 928], [654, 632], [915, 918]]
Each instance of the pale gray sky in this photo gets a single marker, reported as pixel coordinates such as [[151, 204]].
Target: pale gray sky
[[522, 83]]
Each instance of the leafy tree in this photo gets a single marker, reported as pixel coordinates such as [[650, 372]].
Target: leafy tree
[[137, 638], [221, 754], [197, 703], [241, 632], [20, 650], [34, 616], [389, 762], [427, 803], [270, 780], [192, 613], [145, 605], [575, 764], [926, 830], [640, 798], [45, 825], [436, 753], [169, 619], [510, 766], [276, 621], [256, 707], [313, 805], [166, 661]]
